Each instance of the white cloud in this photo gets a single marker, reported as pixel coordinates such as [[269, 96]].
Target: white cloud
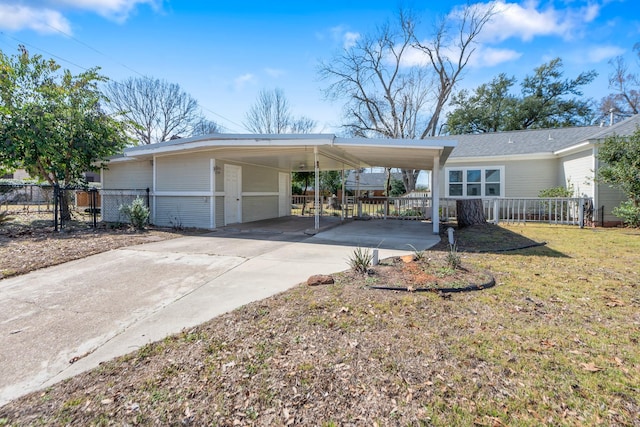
[[42, 15], [602, 53], [42, 20], [349, 39], [243, 80], [528, 20], [485, 56], [274, 72]]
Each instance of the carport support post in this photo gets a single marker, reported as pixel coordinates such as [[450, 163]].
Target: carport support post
[[435, 195], [316, 202]]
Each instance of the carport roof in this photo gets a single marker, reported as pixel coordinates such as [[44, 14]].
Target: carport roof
[[296, 152]]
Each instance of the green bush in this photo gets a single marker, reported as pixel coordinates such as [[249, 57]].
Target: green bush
[[556, 192], [137, 213], [629, 212], [361, 260]]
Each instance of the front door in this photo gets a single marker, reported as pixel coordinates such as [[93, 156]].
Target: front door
[[284, 199], [232, 194]]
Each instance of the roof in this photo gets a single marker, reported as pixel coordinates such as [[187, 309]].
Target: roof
[[535, 141], [297, 152], [369, 180]]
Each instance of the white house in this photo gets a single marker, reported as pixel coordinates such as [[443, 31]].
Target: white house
[[222, 179], [522, 163]]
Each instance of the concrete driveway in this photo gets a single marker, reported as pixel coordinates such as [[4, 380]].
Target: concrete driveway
[[106, 305]]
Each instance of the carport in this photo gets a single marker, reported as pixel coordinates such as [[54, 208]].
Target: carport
[[303, 153]]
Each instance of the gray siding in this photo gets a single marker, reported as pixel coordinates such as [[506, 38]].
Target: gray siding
[[190, 172], [258, 179], [609, 198], [128, 176], [577, 170], [219, 211], [183, 212], [255, 208]]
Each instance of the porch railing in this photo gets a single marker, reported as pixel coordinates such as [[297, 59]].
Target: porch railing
[[573, 211]]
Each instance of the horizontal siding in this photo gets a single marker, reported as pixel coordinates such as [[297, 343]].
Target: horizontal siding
[[128, 176], [523, 178], [111, 202], [577, 170], [183, 172], [609, 198], [255, 208], [183, 212], [219, 211], [256, 179]]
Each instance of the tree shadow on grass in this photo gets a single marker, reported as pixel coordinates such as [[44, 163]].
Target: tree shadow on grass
[[490, 238]]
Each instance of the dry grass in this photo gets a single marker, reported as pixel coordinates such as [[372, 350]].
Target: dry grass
[[28, 242], [554, 343]]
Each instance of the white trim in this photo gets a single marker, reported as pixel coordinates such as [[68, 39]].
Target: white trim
[[212, 199], [153, 189], [568, 150], [259, 193], [128, 192], [482, 182], [183, 193], [435, 195], [503, 158]]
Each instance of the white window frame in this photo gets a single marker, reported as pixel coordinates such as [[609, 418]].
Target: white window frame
[[483, 170]]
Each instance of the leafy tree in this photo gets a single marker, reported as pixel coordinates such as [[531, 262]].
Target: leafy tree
[[546, 100], [625, 99], [397, 188], [271, 114], [388, 94], [51, 122], [620, 157], [156, 110]]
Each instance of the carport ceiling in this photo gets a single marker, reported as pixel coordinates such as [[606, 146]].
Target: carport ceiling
[[297, 152]]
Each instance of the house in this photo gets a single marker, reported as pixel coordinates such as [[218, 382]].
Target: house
[[220, 179], [522, 163], [372, 184]]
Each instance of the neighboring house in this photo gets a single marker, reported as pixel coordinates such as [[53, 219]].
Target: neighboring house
[[372, 184], [22, 174], [522, 163]]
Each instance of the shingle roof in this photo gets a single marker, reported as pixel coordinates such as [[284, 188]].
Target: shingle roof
[[370, 180], [535, 141]]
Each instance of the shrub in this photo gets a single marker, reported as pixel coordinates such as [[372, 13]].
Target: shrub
[[453, 258], [629, 212], [556, 192], [137, 213], [361, 260]]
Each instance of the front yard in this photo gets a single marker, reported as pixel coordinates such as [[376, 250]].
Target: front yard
[[555, 342]]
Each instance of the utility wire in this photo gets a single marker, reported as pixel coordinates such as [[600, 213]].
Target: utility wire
[[110, 58]]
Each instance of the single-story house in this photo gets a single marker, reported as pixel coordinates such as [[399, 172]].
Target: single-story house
[[372, 184], [520, 164], [220, 179]]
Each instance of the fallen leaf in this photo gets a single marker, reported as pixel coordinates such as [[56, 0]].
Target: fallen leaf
[[590, 367]]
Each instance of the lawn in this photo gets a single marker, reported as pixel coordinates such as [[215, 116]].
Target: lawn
[[555, 342]]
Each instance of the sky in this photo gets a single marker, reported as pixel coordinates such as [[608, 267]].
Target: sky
[[223, 53]]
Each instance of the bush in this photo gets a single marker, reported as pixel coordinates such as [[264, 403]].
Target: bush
[[556, 192], [361, 260], [137, 213], [629, 212]]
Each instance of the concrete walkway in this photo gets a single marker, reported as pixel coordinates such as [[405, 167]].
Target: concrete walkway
[[110, 304]]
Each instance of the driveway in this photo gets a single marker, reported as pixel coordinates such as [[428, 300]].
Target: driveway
[[106, 305]]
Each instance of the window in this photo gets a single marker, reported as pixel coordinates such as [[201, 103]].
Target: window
[[475, 182]]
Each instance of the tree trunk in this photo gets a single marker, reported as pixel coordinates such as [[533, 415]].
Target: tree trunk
[[470, 212]]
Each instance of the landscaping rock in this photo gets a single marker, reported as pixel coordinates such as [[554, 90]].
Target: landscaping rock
[[320, 279]]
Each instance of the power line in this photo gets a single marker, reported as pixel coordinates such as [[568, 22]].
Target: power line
[[202, 107]]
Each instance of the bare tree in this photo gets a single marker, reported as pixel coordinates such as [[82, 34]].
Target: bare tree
[[387, 94], [155, 109], [205, 126], [625, 100], [271, 114]]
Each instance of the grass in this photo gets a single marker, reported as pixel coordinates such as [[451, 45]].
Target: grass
[[556, 342]]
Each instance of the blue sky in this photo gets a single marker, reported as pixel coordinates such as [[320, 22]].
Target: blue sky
[[224, 53]]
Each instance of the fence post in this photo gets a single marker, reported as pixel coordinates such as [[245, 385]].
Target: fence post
[[581, 212], [496, 211], [55, 206]]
